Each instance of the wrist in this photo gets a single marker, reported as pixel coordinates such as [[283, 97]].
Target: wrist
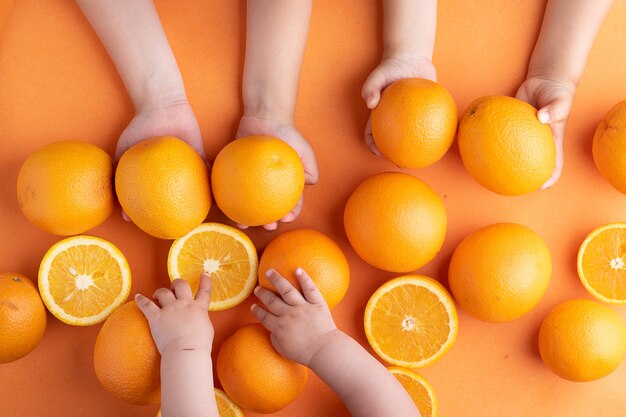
[[191, 344], [269, 106], [159, 92], [325, 343], [555, 76], [413, 56]]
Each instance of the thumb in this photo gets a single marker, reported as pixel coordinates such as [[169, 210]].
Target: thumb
[[556, 111], [372, 88]]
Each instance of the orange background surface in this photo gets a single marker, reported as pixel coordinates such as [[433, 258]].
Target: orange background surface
[[57, 82]]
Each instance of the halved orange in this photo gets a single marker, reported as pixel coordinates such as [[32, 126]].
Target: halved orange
[[411, 321], [225, 406], [83, 279], [225, 253], [602, 263], [418, 388]]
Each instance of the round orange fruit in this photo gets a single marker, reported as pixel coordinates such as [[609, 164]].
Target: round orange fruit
[[395, 222], [254, 375], [609, 147], [66, 188], [500, 272], [257, 180], [316, 253], [126, 360], [163, 186], [415, 122], [504, 146], [582, 340], [22, 317]]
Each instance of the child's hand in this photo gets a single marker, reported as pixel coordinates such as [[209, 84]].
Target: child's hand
[[300, 323], [553, 98], [182, 322], [390, 70], [253, 125]]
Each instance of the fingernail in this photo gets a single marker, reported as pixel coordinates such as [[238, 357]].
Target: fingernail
[[299, 271], [543, 117], [268, 273]]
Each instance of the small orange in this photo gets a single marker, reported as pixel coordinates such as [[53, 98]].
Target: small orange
[[314, 252], [66, 188], [609, 147], [500, 272], [163, 186], [504, 146], [257, 180], [418, 388], [22, 317], [395, 222], [582, 340], [415, 122], [126, 360], [225, 406], [254, 375]]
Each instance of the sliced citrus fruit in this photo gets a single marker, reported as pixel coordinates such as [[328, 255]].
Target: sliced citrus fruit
[[225, 253], [602, 263], [418, 388], [83, 279], [225, 406], [411, 321]]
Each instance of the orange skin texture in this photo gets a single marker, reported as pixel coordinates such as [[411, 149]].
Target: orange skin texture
[[500, 272], [163, 186], [22, 317], [66, 188], [257, 180], [609, 147], [395, 222], [126, 360], [254, 375], [312, 251], [504, 147], [415, 122], [582, 340]]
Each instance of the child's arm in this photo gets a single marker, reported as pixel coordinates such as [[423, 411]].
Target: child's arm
[[558, 62], [409, 39], [183, 333], [276, 37], [303, 331], [131, 32]]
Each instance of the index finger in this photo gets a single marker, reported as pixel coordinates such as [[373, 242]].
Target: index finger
[[203, 296]]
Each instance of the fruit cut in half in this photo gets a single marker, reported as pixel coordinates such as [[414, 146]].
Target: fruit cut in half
[[223, 252], [225, 406], [602, 263], [83, 279], [411, 321], [418, 388]]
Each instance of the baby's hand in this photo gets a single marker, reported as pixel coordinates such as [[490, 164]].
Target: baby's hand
[[300, 323], [553, 98], [390, 70], [182, 322]]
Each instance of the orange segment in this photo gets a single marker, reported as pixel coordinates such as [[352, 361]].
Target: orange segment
[[225, 253], [418, 388], [411, 321], [82, 279], [225, 406], [602, 263]]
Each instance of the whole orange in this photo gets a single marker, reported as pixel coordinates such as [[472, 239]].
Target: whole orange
[[582, 340], [126, 360], [163, 186], [395, 222], [504, 146], [22, 317], [316, 253], [500, 272], [415, 122], [609, 147], [257, 180], [66, 188], [254, 375]]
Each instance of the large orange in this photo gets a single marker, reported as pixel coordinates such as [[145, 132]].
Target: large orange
[[66, 188], [609, 147], [314, 252], [582, 340], [500, 272], [126, 360], [22, 317], [254, 375], [504, 146], [395, 222], [257, 180], [415, 122], [163, 186]]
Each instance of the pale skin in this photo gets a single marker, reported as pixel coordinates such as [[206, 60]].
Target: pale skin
[[302, 330], [183, 334]]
